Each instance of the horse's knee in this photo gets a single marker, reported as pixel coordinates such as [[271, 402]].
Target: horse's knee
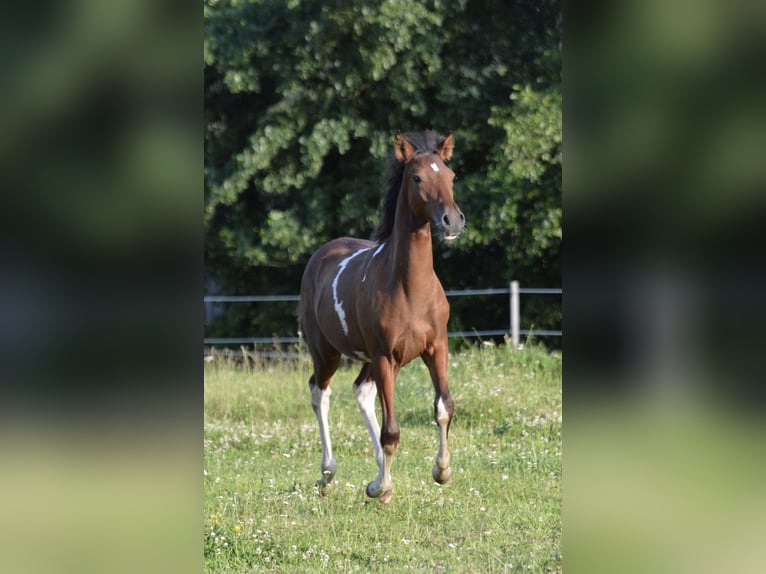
[[444, 410], [444, 405], [316, 397], [389, 438]]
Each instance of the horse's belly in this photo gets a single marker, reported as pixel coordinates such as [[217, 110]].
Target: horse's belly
[[341, 330]]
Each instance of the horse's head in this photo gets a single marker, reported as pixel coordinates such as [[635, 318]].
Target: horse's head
[[428, 183]]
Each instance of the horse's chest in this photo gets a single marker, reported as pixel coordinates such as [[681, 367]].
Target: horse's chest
[[412, 341], [408, 330]]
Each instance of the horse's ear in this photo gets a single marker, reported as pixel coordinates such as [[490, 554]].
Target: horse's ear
[[446, 147], [402, 148]]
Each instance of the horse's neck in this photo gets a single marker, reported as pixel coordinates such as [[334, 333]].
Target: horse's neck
[[413, 259]]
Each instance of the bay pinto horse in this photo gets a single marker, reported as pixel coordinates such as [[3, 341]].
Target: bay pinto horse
[[381, 303]]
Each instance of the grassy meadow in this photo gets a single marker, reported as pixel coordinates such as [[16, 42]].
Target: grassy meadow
[[501, 512]]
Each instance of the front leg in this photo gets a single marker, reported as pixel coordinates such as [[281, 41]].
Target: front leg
[[436, 358], [366, 390], [384, 374]]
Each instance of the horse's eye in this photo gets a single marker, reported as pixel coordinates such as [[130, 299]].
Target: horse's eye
[[415, 178]]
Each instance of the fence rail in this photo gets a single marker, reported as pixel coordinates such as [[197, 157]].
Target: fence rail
[[513, 290], [463, 292]]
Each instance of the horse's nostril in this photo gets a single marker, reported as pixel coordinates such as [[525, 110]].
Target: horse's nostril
[[445, 219], [462, 217]]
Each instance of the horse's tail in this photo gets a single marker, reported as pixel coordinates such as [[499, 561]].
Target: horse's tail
[[303, 301], [299, 309]]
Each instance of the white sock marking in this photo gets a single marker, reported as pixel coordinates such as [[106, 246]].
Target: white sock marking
[[339, 304], [365, 400], [320, 400], [441, 412], [442, 455]]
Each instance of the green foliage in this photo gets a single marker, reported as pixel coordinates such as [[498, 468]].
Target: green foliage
[[501, 512], [533, 131], [301, 102]]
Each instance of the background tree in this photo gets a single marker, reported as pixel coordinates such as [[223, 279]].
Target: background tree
[[302, 99]]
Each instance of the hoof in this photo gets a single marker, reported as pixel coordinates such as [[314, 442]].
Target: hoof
[[324, 491], [327, 474], [380, 494], [441, 475], [371, 492], [385, 498]]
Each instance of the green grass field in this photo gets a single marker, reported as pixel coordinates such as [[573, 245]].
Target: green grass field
[[501, 512]]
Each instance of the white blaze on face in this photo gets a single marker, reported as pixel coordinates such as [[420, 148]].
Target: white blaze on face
[[435, 167]]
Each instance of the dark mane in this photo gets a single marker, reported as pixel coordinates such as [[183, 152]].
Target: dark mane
[[425, 143]]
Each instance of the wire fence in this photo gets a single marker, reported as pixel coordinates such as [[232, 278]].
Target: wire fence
[[513, 329]]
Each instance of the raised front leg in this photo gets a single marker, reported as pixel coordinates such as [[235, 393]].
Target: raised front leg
[[384, 375], [436, 359]]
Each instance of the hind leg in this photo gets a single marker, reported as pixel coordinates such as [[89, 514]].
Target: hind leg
[[319, 383]]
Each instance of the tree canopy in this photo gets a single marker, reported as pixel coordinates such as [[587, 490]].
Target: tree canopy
[[302, 99]]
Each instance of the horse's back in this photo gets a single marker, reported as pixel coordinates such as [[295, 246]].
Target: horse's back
[[328, 257]]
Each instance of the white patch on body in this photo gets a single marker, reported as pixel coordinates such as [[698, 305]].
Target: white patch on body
[[378, 250], [339, 304], [435, 167]]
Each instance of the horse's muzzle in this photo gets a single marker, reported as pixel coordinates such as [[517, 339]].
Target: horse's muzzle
[[451, 223]]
